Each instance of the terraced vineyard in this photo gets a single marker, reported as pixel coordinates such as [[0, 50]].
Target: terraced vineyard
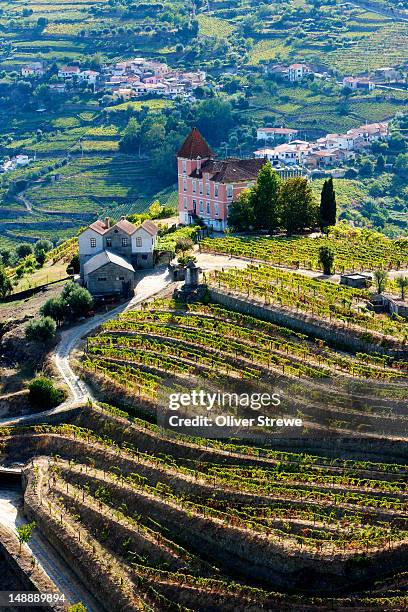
[[146, 355], [157, 521], [358, 251], [334, 303]]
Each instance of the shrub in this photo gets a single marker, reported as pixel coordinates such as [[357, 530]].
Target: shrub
[[41, 330], [44, 394], [55, 308], [77, 299]]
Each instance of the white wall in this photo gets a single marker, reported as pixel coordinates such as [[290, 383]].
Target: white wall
[[84, 241], [148, 241]]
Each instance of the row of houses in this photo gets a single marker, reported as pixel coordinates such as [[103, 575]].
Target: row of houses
[[18, 161], [126, 79], [330, 150]]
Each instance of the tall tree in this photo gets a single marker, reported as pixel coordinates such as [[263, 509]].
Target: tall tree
[[265, 198], [328, 205], [299, 207]]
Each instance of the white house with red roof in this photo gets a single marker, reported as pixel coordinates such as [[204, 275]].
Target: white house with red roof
[[67, 72], [297, 72], [270, 134], [109, 255]]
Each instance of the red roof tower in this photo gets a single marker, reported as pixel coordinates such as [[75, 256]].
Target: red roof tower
[[195, 147]]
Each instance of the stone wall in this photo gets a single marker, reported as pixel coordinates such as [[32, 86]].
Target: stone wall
[[301, 322]]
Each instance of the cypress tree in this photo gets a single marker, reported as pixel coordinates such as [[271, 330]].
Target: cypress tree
[[328, 205]]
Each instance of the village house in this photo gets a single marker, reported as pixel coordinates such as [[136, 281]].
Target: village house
[[359, 83], [289, 153], [297, 72], [110, 254], [34, 69], [207, 186], [67, 72], [90, 76], [270, 134]]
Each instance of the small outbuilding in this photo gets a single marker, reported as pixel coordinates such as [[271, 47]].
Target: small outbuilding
[[356, 280], [109, 274]]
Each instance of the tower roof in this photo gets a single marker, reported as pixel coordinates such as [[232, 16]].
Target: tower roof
[[195, 146]]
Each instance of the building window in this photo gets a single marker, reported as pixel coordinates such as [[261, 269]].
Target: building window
[[216, 190], [216, 210], [185, 204], [101, 279], [201, 207], [194, 186], [208, 189], [229, 191], [194, 205], [184, 166], [138, 242], [201, 188], [208, 208], [184, 185], [109, 242], [144, 256], [93, 243], [124, 242]]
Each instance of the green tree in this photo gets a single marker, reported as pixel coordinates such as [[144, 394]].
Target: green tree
[[6, 256], [328, 205], [214, 119], [55, 308], [77, 299], [299, 207], [326, 259], [25, 532], [265, 198], [131, 137], [74, 265], [402, 282], [23, 250], [5, 283], [401, 165], [42, 245], [41, 256], [380, 165], [44, 394], [381, 278], [40, 330], [241, 212]]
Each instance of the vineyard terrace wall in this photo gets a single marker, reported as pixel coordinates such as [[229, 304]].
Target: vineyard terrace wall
[[75, 555], [248, 553], [301, 322]]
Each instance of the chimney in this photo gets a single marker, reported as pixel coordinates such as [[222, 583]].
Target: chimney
[[107, 222]]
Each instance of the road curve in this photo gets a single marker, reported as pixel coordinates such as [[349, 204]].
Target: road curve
[[150, 283]]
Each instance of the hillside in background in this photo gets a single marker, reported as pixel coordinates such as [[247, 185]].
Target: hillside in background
[[81, 169]]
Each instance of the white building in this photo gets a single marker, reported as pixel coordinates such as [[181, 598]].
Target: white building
[[298, 71], [270, 134]]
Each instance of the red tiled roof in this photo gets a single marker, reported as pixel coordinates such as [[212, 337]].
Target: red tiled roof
[[150, 227], [195, 146], [231, 170], [276, 130], [99, 226], [126, 226]]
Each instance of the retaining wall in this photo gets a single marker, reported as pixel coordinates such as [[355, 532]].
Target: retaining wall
[[304, 323]]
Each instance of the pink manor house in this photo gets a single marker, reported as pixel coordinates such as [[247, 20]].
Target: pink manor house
[[206, 186]]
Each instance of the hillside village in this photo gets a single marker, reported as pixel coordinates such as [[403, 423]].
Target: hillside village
[[125, 80], [204, 306]]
